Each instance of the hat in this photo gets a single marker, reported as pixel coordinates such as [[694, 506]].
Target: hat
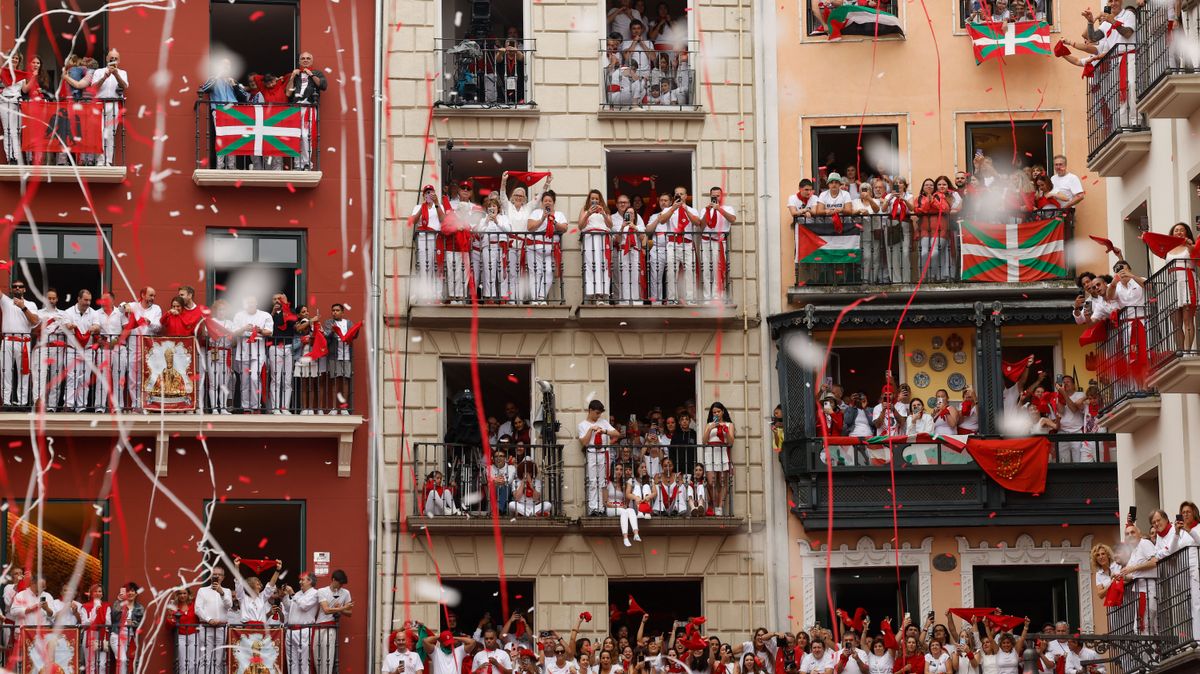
[[828, 395], [428, 188], [466, 185], [596, 405], [834, 177], [446, 639]]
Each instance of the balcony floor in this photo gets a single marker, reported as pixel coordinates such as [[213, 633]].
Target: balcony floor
[[232, 178], [62, 174], [954, 292]]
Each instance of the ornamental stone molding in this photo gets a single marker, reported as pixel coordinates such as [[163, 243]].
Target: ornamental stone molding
[[863, 555], [1025, 552]]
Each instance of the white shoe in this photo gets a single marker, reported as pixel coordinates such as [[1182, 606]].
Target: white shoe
[[345, 413], [225, 412], [637, 537], [306, 413], [287, 412], [276, 412], [627, 543], [716, 512]]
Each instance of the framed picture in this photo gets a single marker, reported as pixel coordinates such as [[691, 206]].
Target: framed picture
[[255, 650], [168, 373], [44, 651]]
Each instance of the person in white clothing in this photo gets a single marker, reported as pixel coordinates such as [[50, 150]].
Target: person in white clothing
[[401, 660], [447, 652], [300, 613], [213, 607], [1071, 404], [95, 615], [1140, 576], [426, 222], [595, 225], [597, 436], [618, 503], [658, 233], [937, 659], [557, 662], [491, 659], [528, 499], [147, 322], [697, 497], [111, 358], [621, 17], [254, 598], [493, 241], [835, 199], [517, 208], [19, 316], [629, 252], [81, 319], [334, 603], [66, 609], [111, 83], [682, 224], [718, 220], [33, 606], [48, 355], [1128, 290], [818, 660], [439, 499], [542, 246], [1095, 307], [672, 491], [1068, 189], [1079, 654], [250, 326]]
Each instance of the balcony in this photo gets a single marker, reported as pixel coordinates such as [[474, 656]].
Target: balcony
[[972, 11], [1168, 76], [483, 75], [890, 256], [461, 493], [815, 27], [101, 385], [257, 145], [207, 649], [938, 486], [52, 153], [1165, 639], [653, 79], [1117, 134]]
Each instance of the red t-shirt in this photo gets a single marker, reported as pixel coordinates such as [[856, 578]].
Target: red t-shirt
[[917, 660], [276, 93]]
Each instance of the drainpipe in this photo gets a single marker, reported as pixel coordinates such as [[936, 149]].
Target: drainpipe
[[374, 353]]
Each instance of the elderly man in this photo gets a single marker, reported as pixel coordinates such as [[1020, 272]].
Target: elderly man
[[146, 318], [214, 605], [250, 326], [111, 84], [304, 88]]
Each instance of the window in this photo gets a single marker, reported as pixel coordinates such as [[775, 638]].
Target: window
[[667, 602], [1047, 594], [502, 383], [995, 139], [479, 598], [259, 37], [482, 168], [973, 11], [862, 369], [52, 537], [883, 591], [55, 35], [637, 387], [630, 171], [67, 259], [1136, 252], [261, 530], [256, 262], [1044, 360], [815, 27], [480, 20], [485, 53], [871, 150]]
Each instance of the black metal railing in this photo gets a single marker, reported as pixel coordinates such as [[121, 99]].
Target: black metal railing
[[491, 267], [1162, 45], [642, 75], [246, 374], [700, 482], [456, 481], [815, 26], [910, 452], [898, 252], [1171, 298], [303, 649], [94, 649], [980, 11], [47, 130], [1112, 109], [488, 73], [1157, 616], [1123, 359], [632, 268], [258, 136]]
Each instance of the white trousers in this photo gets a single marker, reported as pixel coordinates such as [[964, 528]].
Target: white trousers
[[629, 518], [307, 115], [16, 383], [281, 367], [529, 508], [212, 652], [713, 278], [47, 364], [133, 374], [1076, 452], [539, 258], [658, 270], [77, 367], [429, 283], [325, 650], [628, 273], [187, 654], [250, 381], [218, 381], [10, 119], [596, 279], [492, 273], [518, 280], [113, 367], [457, 266], [112, 117], [298, 654], [597, 477], [681, 272]]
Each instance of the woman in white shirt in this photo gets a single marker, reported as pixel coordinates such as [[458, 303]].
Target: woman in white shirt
[[618, 503], [919, 422], [945, 417], [629, 252], [880, 660], [871, 201], [1183, 279], [528, 498], [595, 225], [640, 492], [1106, 567], [898, 237], [697, 492], [936, 659], [1129, 292], [987, 656], [543, 250], [492, 236], [517, 209], [968, 412]]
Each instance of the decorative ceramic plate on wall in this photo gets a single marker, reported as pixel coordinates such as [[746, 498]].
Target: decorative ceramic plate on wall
[[938, 361], [960, 357], [957, 382], [917, 357], [921, 380], [937, 342]]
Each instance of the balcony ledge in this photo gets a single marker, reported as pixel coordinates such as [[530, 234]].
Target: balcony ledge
[[484, 110], [656, 316], [1176, 96], [957, 291], [1132, 414], [696, 114], [238, 178], [163, 427], [482, 524], [452, 315], [714, 526], [1180, 375], [1186, 662], [62, 174], [1120, 153]]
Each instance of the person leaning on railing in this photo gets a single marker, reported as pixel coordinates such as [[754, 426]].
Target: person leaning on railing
[[1181, 279], [304, 87], [1138, 575]]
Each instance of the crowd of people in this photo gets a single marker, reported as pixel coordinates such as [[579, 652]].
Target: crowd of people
[[916, 236], [97, 358], [508, 248], [82, 79], [1006, 11], [983, 642], [646, 58]]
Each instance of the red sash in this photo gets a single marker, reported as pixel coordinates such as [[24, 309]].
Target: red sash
[[24, 340], [670, 500], [627, 245]]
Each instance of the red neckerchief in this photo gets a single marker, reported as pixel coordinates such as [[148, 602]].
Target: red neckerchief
[[662, 489], [710, 214], [425, 215], [528, 490], [966, 407], [1166, 530], [802, 200], [683, 221], [550, 224]]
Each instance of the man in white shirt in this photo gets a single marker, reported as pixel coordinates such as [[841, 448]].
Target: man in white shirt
[[628, 253], [81, 318], [447, 652], [1059, 647], [250, 326], [300, 610], [1099, 309], [835, 199], [818, 660], [1072, 404], [621, 17], [1140, 576], [1066, 186], [851, 659], [147, 321], [597, 436], [682, 224], [1077, 655], [718, 220], [401, 660], [492, 659], [33, 606], [111, 84], [49, 354], [803, 203], [334, 604], [213, 606], [638, 49], [19, 315], [112, 359], [426, 223], [254, 599]]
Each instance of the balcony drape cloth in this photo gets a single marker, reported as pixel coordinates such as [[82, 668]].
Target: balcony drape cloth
[[1017, 464]]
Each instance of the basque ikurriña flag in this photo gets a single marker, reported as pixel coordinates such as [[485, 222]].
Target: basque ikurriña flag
[[862, 20], [997, 38], [1027, 251], [257, 130]]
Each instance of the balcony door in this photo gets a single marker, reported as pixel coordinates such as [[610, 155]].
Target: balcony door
[[260, 37], [51, 538], [872, 150], [66, 259], [261, 529], [1047, 594], [1011, 146], [882, 591], [668, 603]]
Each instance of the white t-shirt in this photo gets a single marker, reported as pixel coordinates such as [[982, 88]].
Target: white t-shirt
[[767, 658], [14, 320], [620, 23], [835, 202], [332, 599], [851, 665], [862, 425], [795, 202], [480, 664], [813, 665], [1072, 421], [109, 88], [598, 438], [1128, 19], [936, 665], [880, 664], [536, 216], [1068, 184], [403, 663], [711, 214], [441, 662], [569, 666], [431, 218]]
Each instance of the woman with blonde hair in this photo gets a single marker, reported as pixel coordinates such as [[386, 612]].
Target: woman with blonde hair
[[1106, 567]]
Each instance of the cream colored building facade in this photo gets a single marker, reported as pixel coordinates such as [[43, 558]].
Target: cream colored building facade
[[571, 564]]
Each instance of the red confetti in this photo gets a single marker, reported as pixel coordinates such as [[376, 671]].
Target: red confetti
[[257, 15], [262, 544]]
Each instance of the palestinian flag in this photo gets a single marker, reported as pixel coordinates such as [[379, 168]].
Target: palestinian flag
[[1027, 251], [860, 20], [996, 38], [826, 241], [257, 130]]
